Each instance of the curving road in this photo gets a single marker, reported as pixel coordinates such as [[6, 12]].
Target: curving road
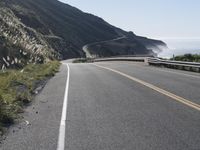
[[87, 52], [112, 106]]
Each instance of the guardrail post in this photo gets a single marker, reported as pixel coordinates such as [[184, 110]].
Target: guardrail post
[[196, 69], [146, 61]]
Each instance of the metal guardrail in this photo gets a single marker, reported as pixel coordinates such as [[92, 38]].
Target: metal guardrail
[[182, 63], [193, 66], [141, 58]]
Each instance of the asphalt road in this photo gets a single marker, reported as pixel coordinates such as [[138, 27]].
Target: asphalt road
[[118, 107]]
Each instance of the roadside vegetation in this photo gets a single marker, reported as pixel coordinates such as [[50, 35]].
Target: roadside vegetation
[[17, 88], [188, 57]]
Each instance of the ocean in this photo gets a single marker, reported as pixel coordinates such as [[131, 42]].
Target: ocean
[[180, 47]]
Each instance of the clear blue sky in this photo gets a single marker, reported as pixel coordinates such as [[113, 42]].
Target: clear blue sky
[[152, 18]]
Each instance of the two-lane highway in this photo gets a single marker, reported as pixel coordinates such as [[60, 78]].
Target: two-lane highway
[[117, 106], [111, 111]]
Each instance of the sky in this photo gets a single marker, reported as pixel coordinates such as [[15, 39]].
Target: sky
[[163, 19]]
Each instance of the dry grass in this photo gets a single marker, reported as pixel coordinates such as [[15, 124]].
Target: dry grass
[[17, 86]]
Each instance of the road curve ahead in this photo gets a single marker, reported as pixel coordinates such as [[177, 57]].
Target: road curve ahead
[[87, 52], [114, 106]]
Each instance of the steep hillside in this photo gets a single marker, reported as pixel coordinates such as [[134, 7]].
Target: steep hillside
[[20, 44], [38, 30], [128, 44], [123, 46]]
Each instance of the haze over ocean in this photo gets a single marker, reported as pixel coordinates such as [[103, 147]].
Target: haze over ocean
[[180, 47]]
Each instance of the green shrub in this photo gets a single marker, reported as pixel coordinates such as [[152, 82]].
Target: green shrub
[[188, 57]]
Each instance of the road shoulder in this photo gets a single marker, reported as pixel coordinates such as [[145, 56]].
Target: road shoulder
[[40, 124]]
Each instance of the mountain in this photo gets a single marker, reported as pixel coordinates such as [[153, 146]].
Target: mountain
[[39, 30]]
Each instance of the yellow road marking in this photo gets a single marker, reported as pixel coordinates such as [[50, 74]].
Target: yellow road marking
[[162, 91]]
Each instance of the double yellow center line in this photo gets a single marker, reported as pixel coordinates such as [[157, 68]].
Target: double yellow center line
[[153, 87]]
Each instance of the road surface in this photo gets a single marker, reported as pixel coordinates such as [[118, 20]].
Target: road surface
[[112, 106]]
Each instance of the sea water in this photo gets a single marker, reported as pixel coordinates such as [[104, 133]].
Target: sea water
[[180, 47]]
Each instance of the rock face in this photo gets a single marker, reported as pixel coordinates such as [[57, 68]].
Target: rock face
[[39, 30]]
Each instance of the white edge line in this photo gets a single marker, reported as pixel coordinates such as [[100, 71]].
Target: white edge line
[[61, 137]]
